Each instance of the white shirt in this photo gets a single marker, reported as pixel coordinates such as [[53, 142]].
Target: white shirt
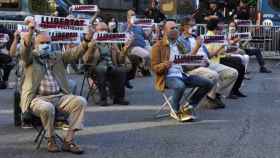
[[174, 70]]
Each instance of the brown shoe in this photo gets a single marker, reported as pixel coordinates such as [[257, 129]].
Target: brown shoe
[[72, 147], [52, 146]]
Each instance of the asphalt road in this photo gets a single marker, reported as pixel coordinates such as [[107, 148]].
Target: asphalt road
[[247, 128]]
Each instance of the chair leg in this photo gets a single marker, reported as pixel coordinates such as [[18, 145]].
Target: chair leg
[[83, 83], [38, 135], [59, 138], [166, 103], [90, 88], [41, 139]]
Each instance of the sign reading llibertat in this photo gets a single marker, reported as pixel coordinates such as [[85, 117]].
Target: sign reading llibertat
[[243, 22], [61, 24], [84, 8], [110, 37], [215, 39], [144, 23], [63, 37]]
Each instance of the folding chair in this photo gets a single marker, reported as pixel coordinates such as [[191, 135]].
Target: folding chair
[[87, 77], [30, 118], [167, 103]]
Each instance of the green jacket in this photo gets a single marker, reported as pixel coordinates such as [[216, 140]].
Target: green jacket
[[34, 71]]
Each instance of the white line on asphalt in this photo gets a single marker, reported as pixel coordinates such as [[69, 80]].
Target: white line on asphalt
[[140, 125], [109, 108]]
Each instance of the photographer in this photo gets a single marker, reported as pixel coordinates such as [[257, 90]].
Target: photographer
[[106, 66]]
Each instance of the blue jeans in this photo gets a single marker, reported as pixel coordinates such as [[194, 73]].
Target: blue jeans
[[178, 85]]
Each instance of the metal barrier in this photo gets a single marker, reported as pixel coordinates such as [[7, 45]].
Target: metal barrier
[[9, 24], [264, 37]]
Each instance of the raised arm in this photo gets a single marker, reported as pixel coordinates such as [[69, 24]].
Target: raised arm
[[13, 48], [26, 45], [197, 45], [75, 53]]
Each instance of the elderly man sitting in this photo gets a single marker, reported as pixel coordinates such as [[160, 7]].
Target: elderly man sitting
[[107, 67], [45, 89], [172, 76]]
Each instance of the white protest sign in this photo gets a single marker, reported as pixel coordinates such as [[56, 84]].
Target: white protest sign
[[45, 23], [144, 23], [4, 38], [215, 39], [243, 22], [244, 36], [22, 28], [110, 37], [84, 8], [63, 37], [189, 60]]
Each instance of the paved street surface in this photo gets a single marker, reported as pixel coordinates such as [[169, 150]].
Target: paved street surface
[[247, 128]]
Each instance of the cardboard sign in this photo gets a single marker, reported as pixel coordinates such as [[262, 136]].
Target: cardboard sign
[[189, 60], [243, 22], [216, 39], [144, 23], [65, 37], [244, 36], [61, 24], [84, 8], [4, 38], [110, 37], [232, 49], [22, 28]]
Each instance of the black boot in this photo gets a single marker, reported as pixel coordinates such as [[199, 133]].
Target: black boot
[[265, 70], [128, 85], [121, 101]]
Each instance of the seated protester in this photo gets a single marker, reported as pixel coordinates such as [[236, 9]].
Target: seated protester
[[233, 47], [251, 51], [171, 76], [45, 89], [217, 55], [107, 68], [14, 53], [113, 25], [226, 76], [138, 49], [6, 64]]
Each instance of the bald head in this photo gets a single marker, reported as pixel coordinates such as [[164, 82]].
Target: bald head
[[168, 26], [41, 38], [101, 26], [171, 30]]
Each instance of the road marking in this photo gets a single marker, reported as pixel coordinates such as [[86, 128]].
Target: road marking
[[140, 125], [108, 109]]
